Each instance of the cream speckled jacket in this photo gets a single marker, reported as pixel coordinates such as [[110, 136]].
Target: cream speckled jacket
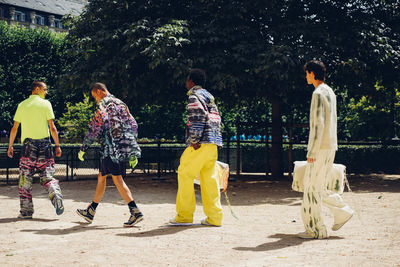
[[323, 121]]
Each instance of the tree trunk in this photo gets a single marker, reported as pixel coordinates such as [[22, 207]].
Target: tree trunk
[[277, 149]]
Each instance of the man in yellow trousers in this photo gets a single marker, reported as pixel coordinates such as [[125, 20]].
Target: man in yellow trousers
[[203, 137]]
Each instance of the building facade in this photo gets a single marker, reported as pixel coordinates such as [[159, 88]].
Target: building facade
[[39, 13]]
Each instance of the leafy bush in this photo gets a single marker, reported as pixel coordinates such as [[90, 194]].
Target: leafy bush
[[76, 120], [356, 158], [27, 55]]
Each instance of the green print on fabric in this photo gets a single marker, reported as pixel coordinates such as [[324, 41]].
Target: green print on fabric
[[311, 223], [316, 231], [314, 199], [309, 210], [337, 185], [308, 195], [318, 106], [22, 181]]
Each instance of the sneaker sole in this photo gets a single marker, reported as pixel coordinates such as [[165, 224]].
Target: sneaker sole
[[59, 206], [205, 223], [136, 222], [25, 217], [181, 224], [87, 219]]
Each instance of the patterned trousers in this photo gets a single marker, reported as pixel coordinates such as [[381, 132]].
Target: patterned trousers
[[36, 157], [316, 194]]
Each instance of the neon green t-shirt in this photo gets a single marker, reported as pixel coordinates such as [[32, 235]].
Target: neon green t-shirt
[[33, 114]]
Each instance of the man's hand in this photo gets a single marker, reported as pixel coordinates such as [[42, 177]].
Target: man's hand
[[58, 151], [311, 160], [80, 155], [195, 146], [10, 152], [133, 161]]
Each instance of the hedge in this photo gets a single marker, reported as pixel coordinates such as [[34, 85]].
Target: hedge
[[357, 158]]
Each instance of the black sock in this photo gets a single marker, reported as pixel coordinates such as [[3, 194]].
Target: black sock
[[132, 205], [94, 205]]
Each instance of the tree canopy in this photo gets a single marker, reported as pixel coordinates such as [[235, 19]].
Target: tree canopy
[[250, 49]]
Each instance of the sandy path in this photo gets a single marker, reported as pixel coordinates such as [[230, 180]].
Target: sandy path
[[264, 235]]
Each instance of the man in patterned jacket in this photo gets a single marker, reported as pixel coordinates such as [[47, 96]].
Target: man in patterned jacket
[[322, 146], [116, 130], [203, 137]]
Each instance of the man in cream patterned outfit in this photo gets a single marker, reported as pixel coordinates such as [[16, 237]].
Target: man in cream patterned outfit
[[322, 146]]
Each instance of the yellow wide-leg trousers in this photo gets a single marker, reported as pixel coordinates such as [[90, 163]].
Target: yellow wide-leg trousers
[[192, 163]]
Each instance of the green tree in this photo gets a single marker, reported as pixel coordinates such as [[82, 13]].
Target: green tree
[[250, 49], [76, 119], [27, 55]]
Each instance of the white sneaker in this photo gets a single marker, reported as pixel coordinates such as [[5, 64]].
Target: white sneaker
[[306, 235], [337, 226], [205, 222], [174, 222]]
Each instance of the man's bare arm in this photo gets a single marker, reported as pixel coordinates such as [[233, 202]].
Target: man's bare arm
[[54, 134], [13, 134]]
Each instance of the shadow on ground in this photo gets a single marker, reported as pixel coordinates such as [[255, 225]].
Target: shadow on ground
[[284, 240], [262, 191]]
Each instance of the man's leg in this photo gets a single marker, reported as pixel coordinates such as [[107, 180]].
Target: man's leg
[[210, 193], [100, 188], [125, 192], [340, 210], [123, 189], [90, 211], [314, 182], [189, 168], [26, 172], [46, 173]]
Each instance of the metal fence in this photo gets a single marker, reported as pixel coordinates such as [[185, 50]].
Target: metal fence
[[158, 158]]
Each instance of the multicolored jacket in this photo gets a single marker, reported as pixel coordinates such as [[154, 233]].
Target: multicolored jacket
[[115, 129], [204, 121]]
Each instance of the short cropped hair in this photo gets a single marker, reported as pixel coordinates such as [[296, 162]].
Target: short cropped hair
[[99, 86], [39, 84], [317, 67], [198, 76]]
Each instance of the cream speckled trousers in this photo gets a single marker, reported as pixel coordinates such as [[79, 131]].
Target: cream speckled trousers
[[316, 194]]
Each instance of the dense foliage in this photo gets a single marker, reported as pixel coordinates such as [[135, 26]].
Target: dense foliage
[[27, 55], [253, 52]]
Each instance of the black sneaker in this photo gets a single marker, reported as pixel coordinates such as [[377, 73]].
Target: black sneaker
[[134, 219], [24, 216], [58, 204], [87, 214]]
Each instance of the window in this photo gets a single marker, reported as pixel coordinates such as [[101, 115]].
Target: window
[[58, 24], [19, 16], [39, 20]]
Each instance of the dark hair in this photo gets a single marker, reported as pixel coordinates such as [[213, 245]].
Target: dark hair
[[99, 86], [37, 84], [317, 67], [198, 76]]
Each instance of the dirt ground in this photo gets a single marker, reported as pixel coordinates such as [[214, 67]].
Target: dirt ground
[[263, 235]]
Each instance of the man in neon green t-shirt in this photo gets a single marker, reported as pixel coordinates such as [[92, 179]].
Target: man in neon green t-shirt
[[35, 114]]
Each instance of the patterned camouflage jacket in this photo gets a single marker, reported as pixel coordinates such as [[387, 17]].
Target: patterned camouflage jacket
[[204, 121], [115, 129]]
